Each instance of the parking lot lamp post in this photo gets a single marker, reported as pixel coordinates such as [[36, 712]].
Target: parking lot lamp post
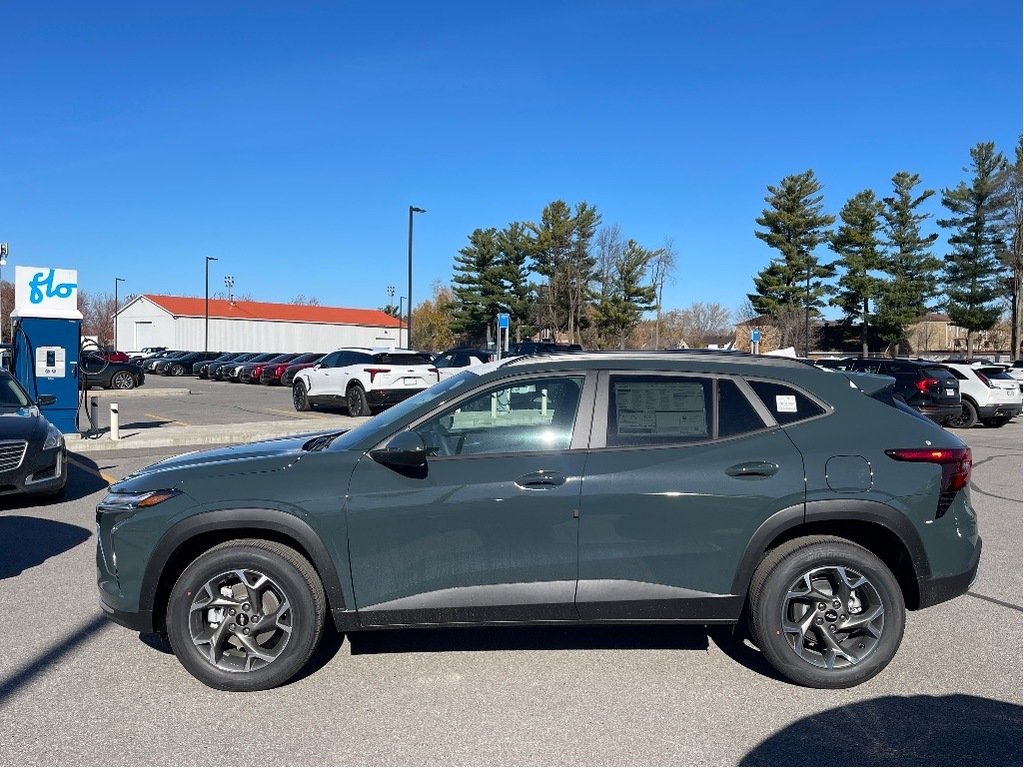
[[401, 302], [807, 312], [3, 263], [206, 326], [116, 281], [408, 323]]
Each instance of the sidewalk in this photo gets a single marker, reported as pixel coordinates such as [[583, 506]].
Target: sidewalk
[[171, 435]]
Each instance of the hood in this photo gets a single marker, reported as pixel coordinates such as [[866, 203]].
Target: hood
[[264, 456], [22, 423]]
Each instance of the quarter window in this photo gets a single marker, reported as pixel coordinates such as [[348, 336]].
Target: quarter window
[[525, 417], [785, 403]]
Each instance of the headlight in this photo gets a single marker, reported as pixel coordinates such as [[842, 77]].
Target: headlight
[[54, 438], [128, 502]]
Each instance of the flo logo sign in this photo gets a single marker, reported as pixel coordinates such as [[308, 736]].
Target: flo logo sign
[[46, 291]]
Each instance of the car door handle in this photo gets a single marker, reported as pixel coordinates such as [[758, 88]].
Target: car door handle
[[753, 469], [539, 480]]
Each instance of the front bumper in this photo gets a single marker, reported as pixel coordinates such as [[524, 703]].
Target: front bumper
[[140, 621], [933, 591], [40, 472]]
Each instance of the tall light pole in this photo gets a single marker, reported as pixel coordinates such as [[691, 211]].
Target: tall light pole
[[807, 312], [229, 283], [3, 263], [408, 323], [401, 299], [116, 281], [206, 327]]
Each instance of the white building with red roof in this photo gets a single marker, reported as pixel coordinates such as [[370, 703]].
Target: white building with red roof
[[181, 322]]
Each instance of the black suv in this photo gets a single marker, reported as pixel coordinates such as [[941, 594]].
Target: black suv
[[926, 386]]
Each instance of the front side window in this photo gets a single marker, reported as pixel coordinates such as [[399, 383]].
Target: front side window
[[524, 417]]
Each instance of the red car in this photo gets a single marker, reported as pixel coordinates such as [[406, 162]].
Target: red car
[[112, 356]]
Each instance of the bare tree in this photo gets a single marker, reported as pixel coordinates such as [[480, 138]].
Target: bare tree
[[700, 321], [662, 266]]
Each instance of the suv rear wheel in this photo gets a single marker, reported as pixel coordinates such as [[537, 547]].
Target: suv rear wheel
[[355, 399], [246, 615], [825, 612], [968, 416]]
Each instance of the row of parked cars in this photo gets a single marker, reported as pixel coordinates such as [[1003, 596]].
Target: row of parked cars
[[955, 392]]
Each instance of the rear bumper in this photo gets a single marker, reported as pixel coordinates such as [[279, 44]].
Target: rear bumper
[[939, 412], [999, 410], [381, 398], [933, 591]]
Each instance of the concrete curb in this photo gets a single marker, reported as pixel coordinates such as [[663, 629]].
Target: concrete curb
[[131, 394]]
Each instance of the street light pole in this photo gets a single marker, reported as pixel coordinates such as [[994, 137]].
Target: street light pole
[[408, 324], [116, 281], [807, 312], [206, 327], [401, 300], [3, 263]]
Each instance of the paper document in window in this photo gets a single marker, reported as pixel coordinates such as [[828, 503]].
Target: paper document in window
[[661, 408]]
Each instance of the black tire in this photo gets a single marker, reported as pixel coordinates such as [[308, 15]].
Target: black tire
[[802, 634], [299, 398], [996, 421], [968, 416], [355, 399], [177, 370], [283, 629], [122, 380]]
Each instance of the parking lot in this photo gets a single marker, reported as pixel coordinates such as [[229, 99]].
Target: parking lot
[[76, 689]]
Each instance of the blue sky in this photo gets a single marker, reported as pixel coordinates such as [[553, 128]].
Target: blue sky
[[289, 138]]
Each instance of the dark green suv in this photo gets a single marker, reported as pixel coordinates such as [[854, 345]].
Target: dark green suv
[[578, 488]]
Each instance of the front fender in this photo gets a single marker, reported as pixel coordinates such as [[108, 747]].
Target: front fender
[[247, 521]]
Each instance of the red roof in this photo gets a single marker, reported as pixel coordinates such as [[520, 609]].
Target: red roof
[[188, 306]]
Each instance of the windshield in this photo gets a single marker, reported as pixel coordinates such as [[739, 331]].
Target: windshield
[[11, 394], [439, 392]]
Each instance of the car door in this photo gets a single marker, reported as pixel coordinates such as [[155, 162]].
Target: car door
[[683, 470], [320, 373], [488, 531]]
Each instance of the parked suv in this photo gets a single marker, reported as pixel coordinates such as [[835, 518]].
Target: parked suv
[[363, 379], [925, 386], [987, 394], [693, 488], [452, 361]]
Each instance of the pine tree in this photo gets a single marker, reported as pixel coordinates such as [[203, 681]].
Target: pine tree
[[626, 299], [859, 248], [971, 270], [478, 285], [561, 253], [513, 260], [795, 225], [1013, 254], [909, 265]]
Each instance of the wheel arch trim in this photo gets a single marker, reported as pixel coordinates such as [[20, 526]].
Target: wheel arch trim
[[856, 511], [237, 523]]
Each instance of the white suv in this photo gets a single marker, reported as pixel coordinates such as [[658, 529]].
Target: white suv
[[363, 379], [992, 400]]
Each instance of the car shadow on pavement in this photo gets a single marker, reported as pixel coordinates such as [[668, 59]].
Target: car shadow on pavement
[[31, 541], [900, 730]]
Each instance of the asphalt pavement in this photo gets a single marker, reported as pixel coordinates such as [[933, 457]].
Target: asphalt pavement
[[76, 689]]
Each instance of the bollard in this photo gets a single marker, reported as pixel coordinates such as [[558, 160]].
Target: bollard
[[115, 428], [94, 404]]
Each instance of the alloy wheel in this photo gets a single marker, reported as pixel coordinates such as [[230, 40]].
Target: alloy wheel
[[833, 617], [122, 380]]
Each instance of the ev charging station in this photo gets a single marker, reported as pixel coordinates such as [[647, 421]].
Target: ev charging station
[[47, 335]]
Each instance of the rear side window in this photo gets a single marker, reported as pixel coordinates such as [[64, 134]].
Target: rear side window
[[937, 372], [785, 403], [401, 358], [668, 410]]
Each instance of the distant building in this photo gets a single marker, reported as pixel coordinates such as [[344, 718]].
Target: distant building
[[179, 322]]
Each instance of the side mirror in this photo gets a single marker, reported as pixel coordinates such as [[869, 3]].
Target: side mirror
[[406, 450], [46, 400]]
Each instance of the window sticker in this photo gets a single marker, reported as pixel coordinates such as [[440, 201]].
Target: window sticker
[[785, 403], [670, 408]]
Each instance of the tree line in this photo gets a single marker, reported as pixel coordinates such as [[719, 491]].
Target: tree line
[[886, 273]]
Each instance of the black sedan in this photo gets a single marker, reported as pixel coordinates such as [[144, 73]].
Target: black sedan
[[97, 372], [33, 456]]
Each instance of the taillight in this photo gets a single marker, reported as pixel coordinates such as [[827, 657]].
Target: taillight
[[279, 371], [374, 371], [923, 385], [985, 380], [955, 464]]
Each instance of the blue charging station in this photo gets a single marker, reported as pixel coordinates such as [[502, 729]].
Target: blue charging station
[[46, 339]]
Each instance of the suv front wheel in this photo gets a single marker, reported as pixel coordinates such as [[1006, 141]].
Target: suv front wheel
[[246, 615], [825, 612]]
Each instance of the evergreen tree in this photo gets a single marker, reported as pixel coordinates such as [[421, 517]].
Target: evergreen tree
[[561, 254], [859, 248], [909, 265], [620, 309], [514, 260], [977, 219], [1013, 254], [795, 225], [478, 287]]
